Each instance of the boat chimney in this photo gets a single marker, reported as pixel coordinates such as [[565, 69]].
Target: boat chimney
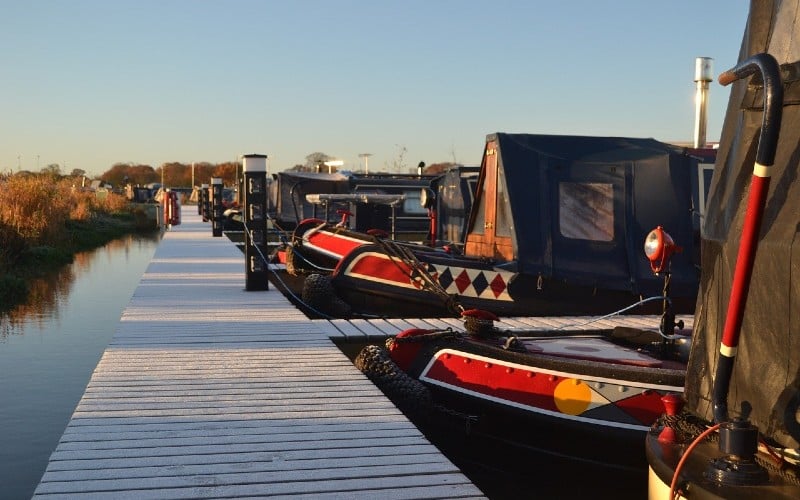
[[702, 77]]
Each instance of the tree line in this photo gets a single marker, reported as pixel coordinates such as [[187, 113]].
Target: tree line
[[177, 174], [172, 174]]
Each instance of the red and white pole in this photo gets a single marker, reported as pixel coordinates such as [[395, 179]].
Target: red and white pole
[[759, 186]]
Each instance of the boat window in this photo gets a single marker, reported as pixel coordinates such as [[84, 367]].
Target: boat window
[[480, 214], [503, 220], [586, 211], [411, 203]]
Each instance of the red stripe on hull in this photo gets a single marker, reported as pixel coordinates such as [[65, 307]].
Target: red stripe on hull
[[380, 267], [335, 244], [521, 386]]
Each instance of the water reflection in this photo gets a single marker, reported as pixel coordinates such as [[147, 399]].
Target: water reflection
[[43, 300], [48, 293], [49, 347]]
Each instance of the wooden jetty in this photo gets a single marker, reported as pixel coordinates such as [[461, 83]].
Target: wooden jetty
[[207, 390]]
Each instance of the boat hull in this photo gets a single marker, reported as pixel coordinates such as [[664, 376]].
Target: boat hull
[[595, 408], [376, 281]]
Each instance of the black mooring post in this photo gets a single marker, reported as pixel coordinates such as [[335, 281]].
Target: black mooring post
[[204, 201], [254, 167], [199, 200], [216, 206]]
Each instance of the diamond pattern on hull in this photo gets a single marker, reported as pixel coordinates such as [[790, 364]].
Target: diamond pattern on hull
[[480, 283]]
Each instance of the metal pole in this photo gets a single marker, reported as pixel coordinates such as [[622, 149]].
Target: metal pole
[[768, 68], [254, 218], [216, 206], [702, 78]]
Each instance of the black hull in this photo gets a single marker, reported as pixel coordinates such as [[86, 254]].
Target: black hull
[[614, 450]]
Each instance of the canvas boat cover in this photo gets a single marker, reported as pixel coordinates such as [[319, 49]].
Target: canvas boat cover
[[582, 207], [291, 190], [766, 374]]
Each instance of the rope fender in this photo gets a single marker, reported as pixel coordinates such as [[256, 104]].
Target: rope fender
[[407, 393], [318, 292]]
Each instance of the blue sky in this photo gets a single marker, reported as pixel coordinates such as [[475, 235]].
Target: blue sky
[[86, 84]]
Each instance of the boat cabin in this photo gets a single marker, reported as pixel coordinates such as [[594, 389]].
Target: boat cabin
[[294, 198], [577, 209]]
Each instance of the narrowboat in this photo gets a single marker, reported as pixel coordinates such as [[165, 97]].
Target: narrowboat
[[555, 228]]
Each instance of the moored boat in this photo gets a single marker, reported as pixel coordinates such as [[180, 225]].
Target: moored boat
[[737, 433], [553, 230], [587, 394]]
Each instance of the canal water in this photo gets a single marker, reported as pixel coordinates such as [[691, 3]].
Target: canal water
[[49, 348]]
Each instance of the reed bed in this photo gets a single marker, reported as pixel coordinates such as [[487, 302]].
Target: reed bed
[[42, 217]]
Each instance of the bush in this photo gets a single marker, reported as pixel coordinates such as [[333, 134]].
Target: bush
[[12, 246]]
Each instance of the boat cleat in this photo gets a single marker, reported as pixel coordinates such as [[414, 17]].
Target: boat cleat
[[739, 440]]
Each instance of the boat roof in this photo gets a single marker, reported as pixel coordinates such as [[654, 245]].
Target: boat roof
[[581, 206]]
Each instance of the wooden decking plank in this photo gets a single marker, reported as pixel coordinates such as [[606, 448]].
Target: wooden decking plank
[[350, 330], [224, 466], [207, 390], [443, 325], [419, 323], [367, 327], [328, 328], [510, 324], [386, 326], [400, 324]]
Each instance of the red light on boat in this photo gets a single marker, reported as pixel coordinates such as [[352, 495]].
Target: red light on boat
[[659, 247]]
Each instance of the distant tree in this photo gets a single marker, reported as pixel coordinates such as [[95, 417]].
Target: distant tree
[[315, 159], [438, 168], [203, 172], [175, 174], [141, 174], [228, 172], [115, 174], [77, 172], [52, 169], [129, 173]]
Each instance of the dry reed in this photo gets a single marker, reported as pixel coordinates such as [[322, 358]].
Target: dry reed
[[37, 207]]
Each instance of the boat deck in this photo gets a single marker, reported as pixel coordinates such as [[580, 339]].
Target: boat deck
[[207, 390]]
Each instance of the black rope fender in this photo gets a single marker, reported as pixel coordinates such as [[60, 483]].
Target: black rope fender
[[410, 395], [318, 292], [407, 393]]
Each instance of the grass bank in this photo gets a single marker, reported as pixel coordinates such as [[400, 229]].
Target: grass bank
[[46, 220]]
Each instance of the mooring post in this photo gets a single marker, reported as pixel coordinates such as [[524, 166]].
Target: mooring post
[[216, 206], [254, 167], [204, 201]]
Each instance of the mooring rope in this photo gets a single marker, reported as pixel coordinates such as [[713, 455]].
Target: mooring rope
[[617, 313], [429, 283], [285, 286]]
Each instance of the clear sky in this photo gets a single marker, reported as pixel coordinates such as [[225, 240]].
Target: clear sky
[[87, 84]]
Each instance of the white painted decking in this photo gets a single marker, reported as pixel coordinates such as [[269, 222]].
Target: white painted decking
[[209, 391]]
